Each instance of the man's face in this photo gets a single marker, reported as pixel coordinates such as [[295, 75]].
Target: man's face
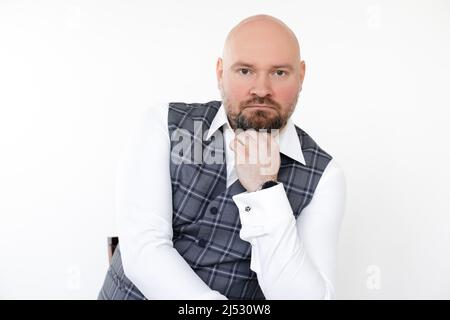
[[260, 76]]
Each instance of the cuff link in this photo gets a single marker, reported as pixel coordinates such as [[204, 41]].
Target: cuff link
[[248, 208]]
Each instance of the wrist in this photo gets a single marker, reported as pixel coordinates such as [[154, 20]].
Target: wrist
[[267, 184]]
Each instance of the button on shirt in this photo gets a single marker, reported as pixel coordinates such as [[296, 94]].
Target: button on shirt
[[293, 258]]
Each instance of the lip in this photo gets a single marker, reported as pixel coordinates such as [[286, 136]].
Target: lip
[[259, 106]]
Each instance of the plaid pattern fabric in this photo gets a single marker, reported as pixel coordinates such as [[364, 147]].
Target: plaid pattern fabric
[[116, 285], [206, 221]]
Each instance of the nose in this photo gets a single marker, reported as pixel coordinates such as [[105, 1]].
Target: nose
[[261, 86]]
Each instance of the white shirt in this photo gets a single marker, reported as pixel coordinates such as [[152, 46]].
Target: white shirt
[[293, 259]]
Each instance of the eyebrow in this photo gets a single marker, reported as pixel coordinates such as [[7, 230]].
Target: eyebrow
[[249, 65]]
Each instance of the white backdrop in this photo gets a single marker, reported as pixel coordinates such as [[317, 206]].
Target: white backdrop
[[76, 75]]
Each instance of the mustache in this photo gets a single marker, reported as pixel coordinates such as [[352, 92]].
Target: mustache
[[259, 100]]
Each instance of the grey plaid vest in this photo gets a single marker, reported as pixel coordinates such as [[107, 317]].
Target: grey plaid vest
[[206, 221]]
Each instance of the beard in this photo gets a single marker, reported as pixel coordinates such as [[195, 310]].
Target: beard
[[249, 118], [259, 119]]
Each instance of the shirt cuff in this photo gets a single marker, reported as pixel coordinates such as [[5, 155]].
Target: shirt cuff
[[263, 211]]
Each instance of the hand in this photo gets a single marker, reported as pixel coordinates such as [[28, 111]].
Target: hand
[[257, 157]]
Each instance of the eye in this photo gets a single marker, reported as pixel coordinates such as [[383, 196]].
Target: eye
[[244, 71], [280, 73]]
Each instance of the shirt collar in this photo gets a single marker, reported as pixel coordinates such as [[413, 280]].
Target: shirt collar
[[289, 139]]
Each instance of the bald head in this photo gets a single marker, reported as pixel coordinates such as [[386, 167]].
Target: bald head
[[260, 73], [261, 31]]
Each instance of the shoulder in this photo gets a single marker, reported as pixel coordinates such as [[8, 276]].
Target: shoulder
[[332, 170], [314, 155], [333, 180], [149, 123], [335, 172], [156, 113], [182, 111]]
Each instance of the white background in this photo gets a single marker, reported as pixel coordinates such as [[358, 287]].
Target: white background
[[76, 75]]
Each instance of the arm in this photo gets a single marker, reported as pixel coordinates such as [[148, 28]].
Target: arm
[[144, 215], [295, 259]]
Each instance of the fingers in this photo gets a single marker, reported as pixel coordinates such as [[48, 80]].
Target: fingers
[[252, 137], [238, 140], [241, 150]]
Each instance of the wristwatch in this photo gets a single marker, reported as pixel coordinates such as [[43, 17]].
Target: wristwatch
[[267, 184]]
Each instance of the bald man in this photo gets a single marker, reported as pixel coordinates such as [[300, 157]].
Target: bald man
[[229, 199]]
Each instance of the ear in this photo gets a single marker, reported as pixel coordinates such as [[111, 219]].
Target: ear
[[219, 72], [302, 73]]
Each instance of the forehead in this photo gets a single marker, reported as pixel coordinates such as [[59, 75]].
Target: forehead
[[263, 46]]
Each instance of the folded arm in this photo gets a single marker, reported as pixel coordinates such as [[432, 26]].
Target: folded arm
[[294, 259], [144, 216]]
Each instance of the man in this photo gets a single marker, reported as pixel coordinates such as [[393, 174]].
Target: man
[[257, 225]]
